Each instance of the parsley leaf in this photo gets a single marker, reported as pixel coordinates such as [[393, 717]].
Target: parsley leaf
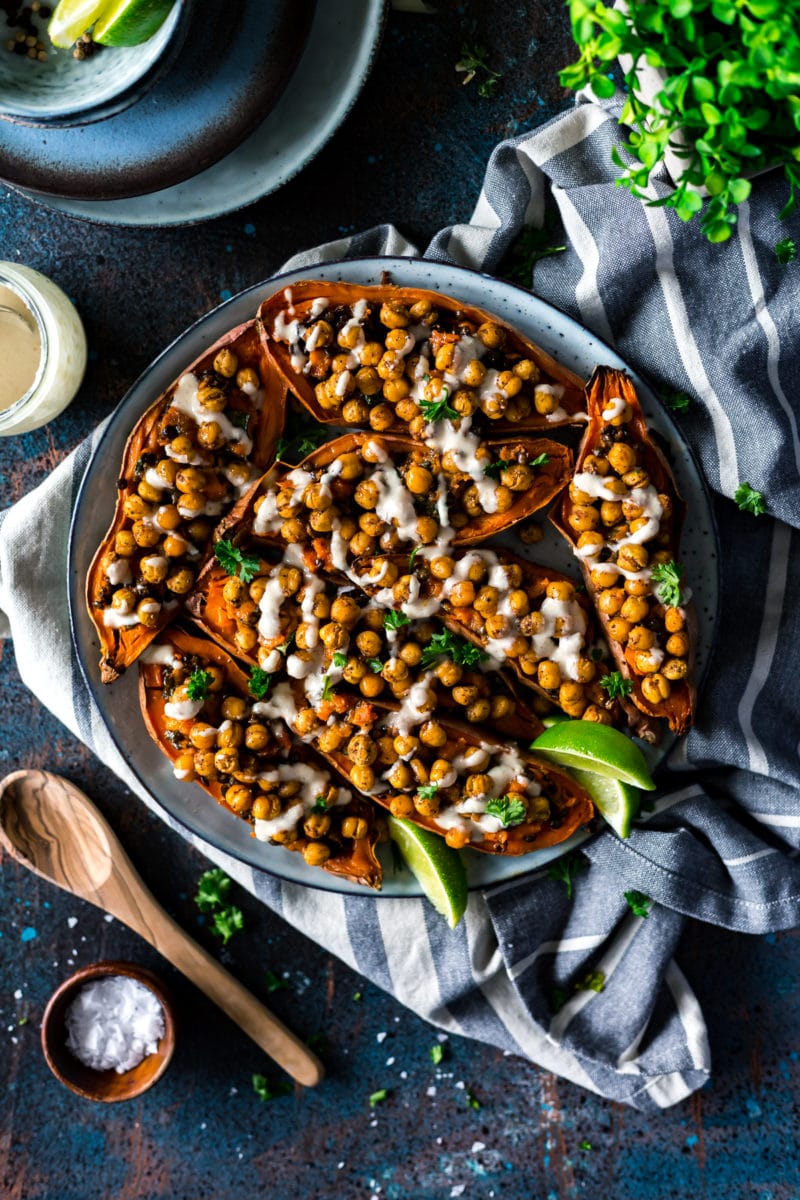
[[239, 418], [227, 921], [615, 685], [235, 562], [395, 620], [584, 1145], [287, 645], [412, 556], [495, 469], [375, 665], [378, 1097], [450, 645], [593, 981], [437, 1053], [676, 401], [292, 449], [320, 804], [638, 903], [357, 996], [565, 870], [212, 889], [339, 658], [265, 1090], [786, 251], [749, 500], [327, 688], [198, 684], [472, 1100], [474, 59], [509, 810], [275, 984], [427, 790], [259, 682], [667, 578], [438, 410]]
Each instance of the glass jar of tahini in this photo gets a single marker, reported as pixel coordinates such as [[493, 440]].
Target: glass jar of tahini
[[42, 349]]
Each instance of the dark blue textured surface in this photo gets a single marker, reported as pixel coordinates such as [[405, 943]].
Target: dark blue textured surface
[[412, 152]]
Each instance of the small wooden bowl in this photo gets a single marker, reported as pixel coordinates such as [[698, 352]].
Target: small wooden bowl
[[108, 1086]]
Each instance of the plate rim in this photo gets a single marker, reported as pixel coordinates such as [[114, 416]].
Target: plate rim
[[374, 26], [75, 589]]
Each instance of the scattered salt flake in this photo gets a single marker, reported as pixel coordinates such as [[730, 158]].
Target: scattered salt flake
[[404, 1074], [390, 1061], [438, 1141], [431, 1091], [15, 1040], [380, 1037], [461, 1085], [373, 1124], [72, 922], [108, 917], [233, 1091], [203, 1125], [442, 1037], [18, 994], [458, 1189], [339, 1166], [477, 1146]]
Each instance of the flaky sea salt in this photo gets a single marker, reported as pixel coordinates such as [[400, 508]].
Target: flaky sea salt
[[114, 1023]]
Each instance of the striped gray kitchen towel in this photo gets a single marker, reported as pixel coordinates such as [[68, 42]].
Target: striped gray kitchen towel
[[718, 322]]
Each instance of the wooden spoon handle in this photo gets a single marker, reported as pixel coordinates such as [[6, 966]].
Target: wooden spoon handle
[[240, 1005]]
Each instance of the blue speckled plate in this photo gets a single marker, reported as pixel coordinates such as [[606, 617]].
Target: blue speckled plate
[[332, 70], [118, 704], [234, 64]]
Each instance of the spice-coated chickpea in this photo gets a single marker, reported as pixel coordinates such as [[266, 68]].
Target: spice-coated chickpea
[[656, 688], [641, 638], [211, 398], [410, 653], [124, 543], [427, 530], [427, 806], [603, 575], [448, 673], [644, 663], [257, 737], [432, 734], [362, 750], [394, 315], [202, 736], [478, 711], [583, 517], [354, 827], [239, 798], [675, 669], [204, 764], [381, 418], [634, 609], [180, 581], [148, 612], [462, 594], [622, 457], [234, 590], [678, 645], [230, 735], [492, 335], [549, 675], [419, 480], [362, 777], [500, 707], [123, 599], [401, 806], [618, 630], [266, 807], [611, 601], [371, 685], [316, 853], [442, 566], [293, 530]]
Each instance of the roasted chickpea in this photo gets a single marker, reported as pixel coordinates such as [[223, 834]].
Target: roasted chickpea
[[123, 599], [266, 807], [362, 777], [611, 601], [449, 673], [234, 590], [618, 630], [354, 827], [180, 581], [463, 594], [479, 710], [362, 750], [316, 853], [634, 609], [675, 669], [204, 764], [678, 645], [427, 806], [400, 776], [583, 517], [230, 735], [394, 315], [401, 806], [316, 825], [148, 612], [500, 707], [410, 653], [371, 685], [655, 688], [645, 664], [432, 734], [641, 638], [293, 530], [124, 543], [549, 675], [674, 620]]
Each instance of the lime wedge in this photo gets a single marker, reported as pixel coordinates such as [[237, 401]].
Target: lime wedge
[[130, 22], [554, 718], [439, 869], [71, 18], [597, 748], [617, 802]]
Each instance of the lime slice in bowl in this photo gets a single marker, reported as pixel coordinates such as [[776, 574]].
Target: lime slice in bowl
[[438, 868], [617, 802], [598, 748], [71, 18], [130, 22]]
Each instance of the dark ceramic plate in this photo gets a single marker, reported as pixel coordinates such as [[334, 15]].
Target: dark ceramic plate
[[233, 66]]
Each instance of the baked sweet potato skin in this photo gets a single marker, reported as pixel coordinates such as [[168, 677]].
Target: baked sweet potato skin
[[356, 858], [299, 301], [570, 806], [605, 387], [120, 647]]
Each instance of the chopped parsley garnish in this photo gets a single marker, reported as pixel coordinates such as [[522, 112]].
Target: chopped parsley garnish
[[496, 468], [509, 810], [276, 984], [676, 401], [227, 921], [565, 870], [327, 688], [472, 1100], [320, 804], [437, 1053], [638, 903], [474, 59], [198, 684], [584, 1145], [395, 620], [212, 889], [339, 658], [259, 682], [593, 981], [438, 410], [239, 418], [786, 251], [667, 578], [265, 1090], [412, 556], [235, 562], [357, 996], [300, 445], [615, 685], [450, 645], [428, 790], [378, 1097], [375, 665], [749, 500], [287, 645]]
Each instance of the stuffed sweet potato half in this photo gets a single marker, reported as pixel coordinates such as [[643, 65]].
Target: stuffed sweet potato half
[[623, 515], [190, 457], [394, 359], [220, 730]]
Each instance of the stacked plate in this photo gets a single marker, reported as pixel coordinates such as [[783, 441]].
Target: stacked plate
[[242, 97]]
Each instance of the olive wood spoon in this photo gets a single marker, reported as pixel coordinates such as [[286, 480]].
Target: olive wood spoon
[[49, 826]]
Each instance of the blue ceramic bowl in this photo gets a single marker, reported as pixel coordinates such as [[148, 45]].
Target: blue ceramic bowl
[[65, 91]]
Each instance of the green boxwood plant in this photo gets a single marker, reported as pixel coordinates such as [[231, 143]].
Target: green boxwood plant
[[729, 106]]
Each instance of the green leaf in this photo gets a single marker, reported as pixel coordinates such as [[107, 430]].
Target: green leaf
[[235, 562], [715, 183], [212, 889], [749, 500], [437, 1053], [320, 804], [427, 790], [785, 251], [677, 401], [615, 685], [259, 682], [395, 620], [198, 684], [226, 922], [565, 869], [638, 903], [739, 190], [378, 1097], [703, 88], [375, 665], [509, 810], [602, 86], [438, 410], [339, 658], [275, 984], [265, 1090], [593, 981], [718, 231], [327, 687], [667, 578], [450, 645]]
